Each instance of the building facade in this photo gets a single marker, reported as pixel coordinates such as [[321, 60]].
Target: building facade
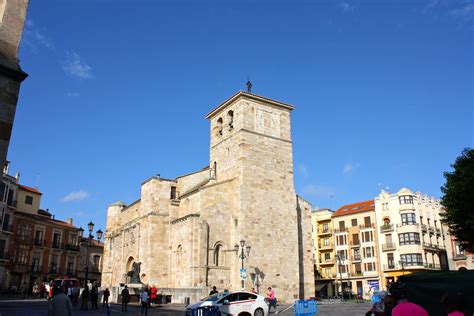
[[412, 237], [356, 247], [324, 255], [40, 248], [182, 232], [458, 258], [90, 259]]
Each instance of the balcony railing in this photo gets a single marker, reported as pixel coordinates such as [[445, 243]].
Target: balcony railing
[[424, 228], [430, 246], [431, 230], [408, 224], [326, 261], [391, 266], [386, 228], [354, 243], [364, 226], [54, 270], [38, 242], [56, 244], [438, 231], [71, 247], [36, 269], [338, 230], [355, 258], [432, 266], [358, 273], [324, 231], [389, 246], [71, 272]]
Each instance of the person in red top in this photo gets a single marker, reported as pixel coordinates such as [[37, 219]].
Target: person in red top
[[271, 298], [402, 306], [153, 292]]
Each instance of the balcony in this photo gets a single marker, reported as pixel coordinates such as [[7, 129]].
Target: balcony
[[326, 261], [36, 269], [357, 274], [424, 228], [7, 228], [355, 258], [438, 231], [369, 226], [38, 242], [431, 230], [391, 266], [71, 272], [354, 244], [460, 256], [412, 225], [386, 228], [430, 247], [338, 230], [56, 244], [324, 231], [71, 247], [54, 270], [389, 246]]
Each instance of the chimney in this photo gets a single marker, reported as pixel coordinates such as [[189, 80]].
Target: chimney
[[6, 167], [17, 176], [69, 221]]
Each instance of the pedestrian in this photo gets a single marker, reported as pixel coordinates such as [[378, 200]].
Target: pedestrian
[[271, 299], [213, 291], [125, 298], [381, 306], [106, 298], [402, 306], [42, 290], [144, 302], [85, 298], [36, 290], [455, 304], [94, 296], [153, 293], [23, 290], [60, 304], [69, 293]]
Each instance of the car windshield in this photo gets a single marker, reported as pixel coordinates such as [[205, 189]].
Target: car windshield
[[214, 297]]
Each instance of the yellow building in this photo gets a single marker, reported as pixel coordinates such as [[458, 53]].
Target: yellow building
[[358, 267], [323, 250]]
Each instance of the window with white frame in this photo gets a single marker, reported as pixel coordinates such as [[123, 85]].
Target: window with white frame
[[412, 259], [409, 238], [408, 219], [406, 199]]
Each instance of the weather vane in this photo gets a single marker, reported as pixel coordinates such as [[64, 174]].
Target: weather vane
[[249, 85]]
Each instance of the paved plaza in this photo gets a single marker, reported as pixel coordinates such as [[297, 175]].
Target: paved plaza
[[36, 307]]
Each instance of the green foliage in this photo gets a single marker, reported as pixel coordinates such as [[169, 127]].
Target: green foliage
[[458, 199]]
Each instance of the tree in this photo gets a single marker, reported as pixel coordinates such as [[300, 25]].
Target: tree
[[458, 199]]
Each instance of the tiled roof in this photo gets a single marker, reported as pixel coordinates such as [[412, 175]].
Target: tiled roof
[[30, 189], [358, 207]]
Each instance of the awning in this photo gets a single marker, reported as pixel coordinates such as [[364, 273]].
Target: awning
[[320, 286]]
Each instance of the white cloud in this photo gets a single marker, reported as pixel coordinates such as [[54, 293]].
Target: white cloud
[[34, 37], [318, 191], [303, 170], [346, 6], [76, 196], [350, 168], [466, 12], [76, 67]]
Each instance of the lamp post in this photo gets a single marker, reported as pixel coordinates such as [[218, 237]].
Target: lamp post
[[339, 262], [99, 233], [402, 263], [243, 252]]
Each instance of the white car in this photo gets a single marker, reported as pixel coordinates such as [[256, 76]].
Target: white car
[[235, 303]]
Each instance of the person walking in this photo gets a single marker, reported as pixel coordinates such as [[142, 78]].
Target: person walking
[[402, 306], [85, 298], [271, 298], [94, 296], [42, 290], [144, 302], [106, 295], [153, 293], [125, 298], [60, 304]]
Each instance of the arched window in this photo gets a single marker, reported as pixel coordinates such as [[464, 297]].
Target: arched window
[[217, 255], [230, 119], [219, 126]]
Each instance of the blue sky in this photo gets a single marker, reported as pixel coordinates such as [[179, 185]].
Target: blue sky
[[118, 91]]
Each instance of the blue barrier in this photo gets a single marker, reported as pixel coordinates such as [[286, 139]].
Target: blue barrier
[[305, 308]]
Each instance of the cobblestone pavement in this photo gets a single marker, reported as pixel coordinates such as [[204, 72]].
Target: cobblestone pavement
[[40, 307]]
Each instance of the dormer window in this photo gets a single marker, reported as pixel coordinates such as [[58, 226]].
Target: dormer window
[[230, 119]]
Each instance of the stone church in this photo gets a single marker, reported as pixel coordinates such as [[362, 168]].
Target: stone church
[[184, 232]]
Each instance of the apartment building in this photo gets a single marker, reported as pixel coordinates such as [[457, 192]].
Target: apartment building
[[458, 259], [412, 237], [323, 250], [356, 247], [41, 248]]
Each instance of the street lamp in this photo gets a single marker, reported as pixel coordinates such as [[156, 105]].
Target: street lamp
[[90, 238], [339, 262], [243, 252]]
